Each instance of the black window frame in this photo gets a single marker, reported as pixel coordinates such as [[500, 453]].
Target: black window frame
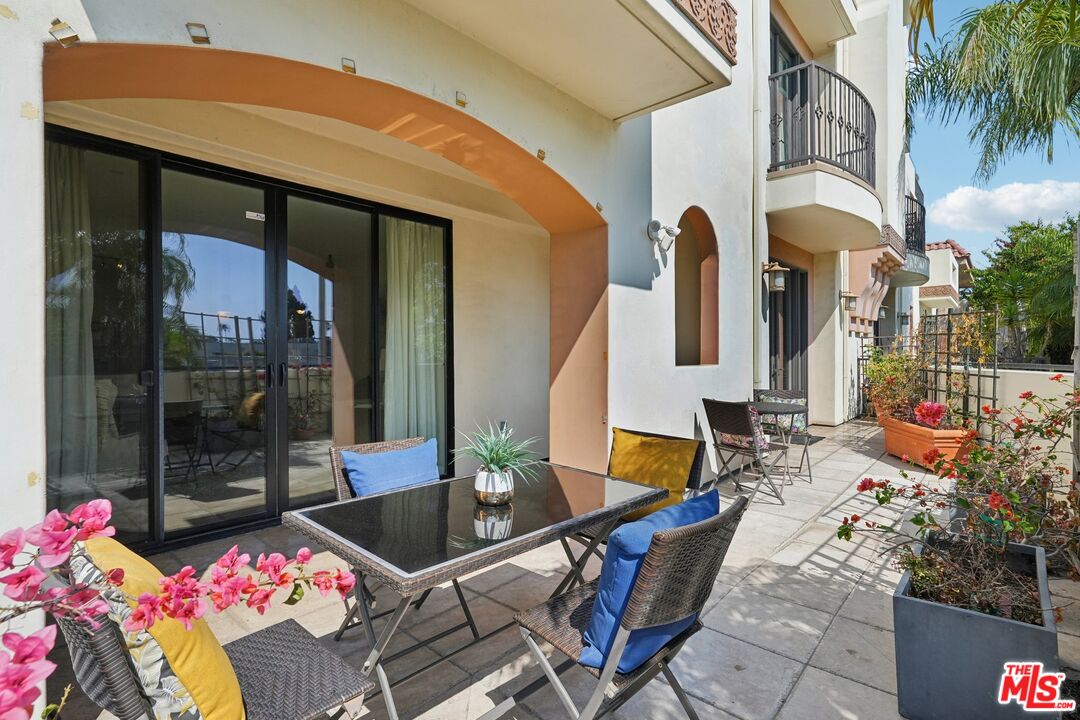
[[152, 161]]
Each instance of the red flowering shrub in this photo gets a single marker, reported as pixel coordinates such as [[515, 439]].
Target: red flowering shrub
[[929, 413], [1009, 488]]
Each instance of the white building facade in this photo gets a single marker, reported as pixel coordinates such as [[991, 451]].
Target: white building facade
[[241, 232]]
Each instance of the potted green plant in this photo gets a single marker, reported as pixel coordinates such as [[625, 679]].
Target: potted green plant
[[972, 600], [500, 457]]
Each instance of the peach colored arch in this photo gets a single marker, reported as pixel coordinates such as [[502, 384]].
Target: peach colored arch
[[708, 284], [95, 71]]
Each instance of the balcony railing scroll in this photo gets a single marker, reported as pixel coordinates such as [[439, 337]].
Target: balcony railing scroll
[[915, 225], [819, 116]]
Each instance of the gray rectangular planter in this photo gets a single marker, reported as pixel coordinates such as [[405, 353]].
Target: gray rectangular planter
[[949, 660]]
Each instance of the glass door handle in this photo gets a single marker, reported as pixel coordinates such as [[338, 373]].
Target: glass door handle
[[269, 375], [282, 374]]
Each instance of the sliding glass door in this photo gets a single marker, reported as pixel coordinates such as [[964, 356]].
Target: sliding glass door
[[97, 334], [211, 334], [329, 329], [215, 354]]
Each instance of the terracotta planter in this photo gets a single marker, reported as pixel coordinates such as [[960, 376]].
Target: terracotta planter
[[902, 438], [881, 413]]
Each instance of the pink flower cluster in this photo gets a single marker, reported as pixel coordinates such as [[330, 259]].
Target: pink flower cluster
[[183, 597], [23, 667], [929, 413], [40, 555]]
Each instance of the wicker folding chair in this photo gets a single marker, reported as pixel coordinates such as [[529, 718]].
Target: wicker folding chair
[[737, 432], [588, 537], [283, 673], [773, 422], [675, 580], [362, 592]]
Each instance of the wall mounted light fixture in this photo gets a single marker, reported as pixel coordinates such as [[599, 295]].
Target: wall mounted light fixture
[[199, 34], [348, 65], [63, 33], [661, 234], [776, 275], [847, 300], [881, 314]]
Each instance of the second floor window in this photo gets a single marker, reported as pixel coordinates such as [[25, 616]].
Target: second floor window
[[782, 53]]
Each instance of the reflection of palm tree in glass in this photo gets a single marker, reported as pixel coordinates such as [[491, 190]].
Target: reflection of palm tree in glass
[[177, 282]]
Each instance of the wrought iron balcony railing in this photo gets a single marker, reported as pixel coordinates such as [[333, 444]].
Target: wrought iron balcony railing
[[819, 116], [914, 225]]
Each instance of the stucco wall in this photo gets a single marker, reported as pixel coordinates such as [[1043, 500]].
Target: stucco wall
[[701, 154]]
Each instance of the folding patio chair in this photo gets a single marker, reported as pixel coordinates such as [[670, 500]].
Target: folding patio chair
[[589, 539], [794, 426], [675, 580], [737, 432], [362, 592], [283, 673]]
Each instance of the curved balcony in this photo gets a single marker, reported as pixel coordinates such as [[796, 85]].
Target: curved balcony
[[821, 193]]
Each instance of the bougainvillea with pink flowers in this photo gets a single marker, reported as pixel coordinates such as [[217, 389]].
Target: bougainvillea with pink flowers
[[37, 576]]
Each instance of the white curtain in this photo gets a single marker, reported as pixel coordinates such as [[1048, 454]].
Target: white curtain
[[70, 391], [415, 360]]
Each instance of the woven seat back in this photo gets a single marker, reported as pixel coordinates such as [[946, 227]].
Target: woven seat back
[[679, 569], [103, 668], [729, 418], [341, 481]]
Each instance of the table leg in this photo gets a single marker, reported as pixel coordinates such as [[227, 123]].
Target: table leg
[[578, 565], [378, 647]]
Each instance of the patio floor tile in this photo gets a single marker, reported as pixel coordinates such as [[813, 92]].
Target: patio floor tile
[[774, 624], [858, 652], [820, 695], [737, 677]]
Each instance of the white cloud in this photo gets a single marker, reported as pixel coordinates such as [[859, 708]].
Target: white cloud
[[972, 208]]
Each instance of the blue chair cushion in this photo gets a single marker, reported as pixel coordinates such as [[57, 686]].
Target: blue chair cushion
[[371, 473], [626, 550]]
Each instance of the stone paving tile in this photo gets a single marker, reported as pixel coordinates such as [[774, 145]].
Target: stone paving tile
[[820, 695], [858, 652], [784, 627], [786, 596], [737, 677]]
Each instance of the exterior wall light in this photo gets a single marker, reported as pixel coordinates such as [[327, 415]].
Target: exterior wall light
[[776, 275], [63, 33], [847, 300], [663, 235], [881, 312], [199, 34]]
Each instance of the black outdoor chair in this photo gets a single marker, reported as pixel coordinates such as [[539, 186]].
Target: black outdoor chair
[[772, 424], [675, 580], [363, 593], [282, 670], [738, 433]]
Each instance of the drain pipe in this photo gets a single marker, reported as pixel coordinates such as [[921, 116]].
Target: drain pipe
[[759, 29]]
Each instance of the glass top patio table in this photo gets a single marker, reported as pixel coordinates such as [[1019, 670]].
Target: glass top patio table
[[422, 536]]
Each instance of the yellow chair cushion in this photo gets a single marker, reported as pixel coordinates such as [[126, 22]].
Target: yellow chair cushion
[[660, 462], [194, 657]]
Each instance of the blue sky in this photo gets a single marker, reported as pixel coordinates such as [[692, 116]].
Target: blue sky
[[1024, 187]]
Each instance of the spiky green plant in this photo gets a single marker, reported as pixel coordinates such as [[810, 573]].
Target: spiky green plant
[[497, 451]]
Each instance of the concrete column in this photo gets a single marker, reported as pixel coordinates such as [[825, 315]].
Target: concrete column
[[827, 342]]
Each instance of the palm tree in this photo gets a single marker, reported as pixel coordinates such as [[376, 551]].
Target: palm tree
[[1011, 68]]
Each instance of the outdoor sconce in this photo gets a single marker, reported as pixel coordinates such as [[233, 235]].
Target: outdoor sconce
[[63, 33], [199, 34], [881, 312], [777, 276], [847, 300], [663, 235]]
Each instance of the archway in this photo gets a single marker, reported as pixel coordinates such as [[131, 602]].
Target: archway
[[697, 309], [578, 265]]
